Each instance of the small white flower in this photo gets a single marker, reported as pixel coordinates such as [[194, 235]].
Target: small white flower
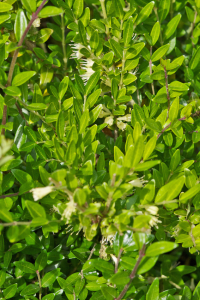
[[87, 63], [121, 125], [36, 23], [69, 210], [137, 182], [154, 221], [126, 118], [152, 209], [86, 76], [76, 50], [39, 193], [109, 120]]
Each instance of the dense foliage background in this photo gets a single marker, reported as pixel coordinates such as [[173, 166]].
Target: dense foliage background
[[99, 149]]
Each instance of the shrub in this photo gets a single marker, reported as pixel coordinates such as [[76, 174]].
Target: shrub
[[99, 152]]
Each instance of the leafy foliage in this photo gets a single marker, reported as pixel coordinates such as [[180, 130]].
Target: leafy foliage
[[99, 152]]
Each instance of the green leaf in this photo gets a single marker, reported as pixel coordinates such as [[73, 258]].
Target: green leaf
[[178, 86], [44, 35], [22, 78], [92, 99], [109, 293], [84, 121], [173, 112], [153, 292], [50, 277], [7, 259], [128, 31], [160, 52], [92, 82], [78, 8], [171, 190], [119, 9], [171, 26], [6, 216], [102, 265], [21, 176], [149, 147], [160, 98], [25, 266], [187, 294], [153, 125], [94, 40], [37, 106], [35, 209], [12, 91], [60, 125], [20, 25], [11, 164], [50, 11], [82, 33], [30, 289], [134, 153], [158, 75], [175, 160], [155, 33], [5, 7], [10, 291], [190, 193], [195, 59], [80, 84], [63, 86], [146, 264], [30, 5], [4, 17], [164, 7], [116, 48], [41, 261], [146, 165], [158, 248], [145, 12], [2, 277]]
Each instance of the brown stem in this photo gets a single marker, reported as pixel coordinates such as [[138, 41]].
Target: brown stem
[[11, 195], [118, 259], [40, 284], [133, 273], [181, 119], [21, 113], [150, 67], [13, 62]]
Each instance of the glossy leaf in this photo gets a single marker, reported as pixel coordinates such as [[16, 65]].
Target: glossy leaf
[[20, 25], [158, 248]]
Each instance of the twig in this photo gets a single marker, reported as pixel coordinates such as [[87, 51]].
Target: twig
[[40, 285], [150, 67], [167, 89], [133, 273], [181, 119], [21, 113], [166, 127], [13, 62], [11, 195], [92, 251]]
